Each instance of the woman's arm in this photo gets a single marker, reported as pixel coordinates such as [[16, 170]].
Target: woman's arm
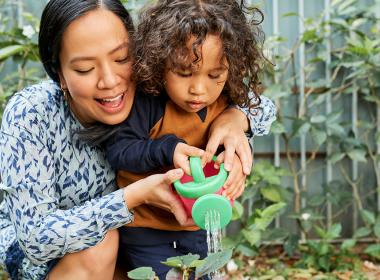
[[230, 127]]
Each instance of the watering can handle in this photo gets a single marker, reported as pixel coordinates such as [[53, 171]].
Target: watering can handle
[[197, 170]]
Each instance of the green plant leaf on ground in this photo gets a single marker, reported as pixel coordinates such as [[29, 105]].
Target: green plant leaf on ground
[[213, 262], [142, 273]]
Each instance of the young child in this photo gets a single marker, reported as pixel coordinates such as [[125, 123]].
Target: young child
[[193, 59]]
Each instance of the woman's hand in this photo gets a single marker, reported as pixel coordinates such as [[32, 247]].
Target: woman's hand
[[228, 130], [181, 156], [155, 190], [235, 183]]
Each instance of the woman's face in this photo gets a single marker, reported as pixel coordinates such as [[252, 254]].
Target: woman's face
[[96, 68]]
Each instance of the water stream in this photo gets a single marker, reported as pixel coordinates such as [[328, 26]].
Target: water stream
[[214, 237]]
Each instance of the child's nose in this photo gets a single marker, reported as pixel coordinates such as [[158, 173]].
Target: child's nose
[[198, 88]]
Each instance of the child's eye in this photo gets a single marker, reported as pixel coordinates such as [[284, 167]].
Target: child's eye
[[183, 74], [214, 76], [123, 60], [83, 71]]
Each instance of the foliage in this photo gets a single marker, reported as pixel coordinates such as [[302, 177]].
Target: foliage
[[19, 45], [182, 267]]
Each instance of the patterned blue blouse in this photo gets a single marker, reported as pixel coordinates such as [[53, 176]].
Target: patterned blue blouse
[[60, 194]]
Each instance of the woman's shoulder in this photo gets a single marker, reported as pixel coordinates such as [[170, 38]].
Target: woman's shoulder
[[35, 99]]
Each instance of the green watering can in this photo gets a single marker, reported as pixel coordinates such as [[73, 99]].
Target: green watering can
[[201, 192]]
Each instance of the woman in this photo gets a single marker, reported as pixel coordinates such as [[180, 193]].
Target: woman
[[61, 209]]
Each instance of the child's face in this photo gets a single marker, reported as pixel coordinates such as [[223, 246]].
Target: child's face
[[200, 85]]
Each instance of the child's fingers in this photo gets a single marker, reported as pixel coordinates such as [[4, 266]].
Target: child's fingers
[[207, 157], [194, 151]]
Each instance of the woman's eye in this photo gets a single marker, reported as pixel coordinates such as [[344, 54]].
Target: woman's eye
[[123, 60], [83, 71]]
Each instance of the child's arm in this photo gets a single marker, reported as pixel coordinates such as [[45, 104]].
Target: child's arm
[[131, 148]]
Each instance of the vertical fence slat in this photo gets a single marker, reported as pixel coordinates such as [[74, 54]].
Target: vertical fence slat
[[354, 119], [301, 112], [378, 131], [275, 17], [328, 106]]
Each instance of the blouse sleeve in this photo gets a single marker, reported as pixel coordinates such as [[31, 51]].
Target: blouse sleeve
[[261, 117], [45, 231]]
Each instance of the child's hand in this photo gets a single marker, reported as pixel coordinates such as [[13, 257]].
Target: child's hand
[[181, 156], [235, 183]]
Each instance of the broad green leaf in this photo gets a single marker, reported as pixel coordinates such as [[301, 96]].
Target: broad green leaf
[[358, 155], [142, 273], [213, 262], [348, 244], [252, 236], [277, 128], [319, 136], [246, 251], [317, 119], [376, 227], [174, 273], [367, 216], [173, 262], [362, 232], [10, 51], [336, 157], [373, 250], [272, 193], [291, 244], [273, 209], [334, 231]]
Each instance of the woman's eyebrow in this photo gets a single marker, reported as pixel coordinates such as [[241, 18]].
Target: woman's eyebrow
[[81, 58]]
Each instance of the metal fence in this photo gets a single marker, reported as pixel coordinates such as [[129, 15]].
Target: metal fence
[[272, 147]]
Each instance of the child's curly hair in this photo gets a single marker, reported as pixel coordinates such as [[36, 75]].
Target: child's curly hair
[[166, 27]]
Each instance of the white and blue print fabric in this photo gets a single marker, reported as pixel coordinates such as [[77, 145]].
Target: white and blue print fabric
[[59, 193]]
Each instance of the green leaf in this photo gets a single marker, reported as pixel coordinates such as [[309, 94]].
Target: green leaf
[[373, 250], [336, 157], [273, 210], [291, 244], [277, 128], [246, 251], [334, 231], [272, 193], [213, 262], [10, 51], [376, 227], [367, 216], [348, 244], [173, 262], [252, 236], [319, 136], [142, 273], [362, 232], [358, 155], [318, 119], [237, 211]]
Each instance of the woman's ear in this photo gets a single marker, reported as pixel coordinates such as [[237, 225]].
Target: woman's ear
[[62, 81]]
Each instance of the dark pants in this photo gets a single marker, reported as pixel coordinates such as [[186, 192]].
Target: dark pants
[[148, 247]]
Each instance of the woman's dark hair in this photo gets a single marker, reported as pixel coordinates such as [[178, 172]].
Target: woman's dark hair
[[165, 28], [57, 16]]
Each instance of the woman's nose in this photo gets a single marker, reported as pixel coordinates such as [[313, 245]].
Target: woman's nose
[[108, 78]]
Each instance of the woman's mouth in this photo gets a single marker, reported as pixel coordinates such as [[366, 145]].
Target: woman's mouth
[[112, 104]]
